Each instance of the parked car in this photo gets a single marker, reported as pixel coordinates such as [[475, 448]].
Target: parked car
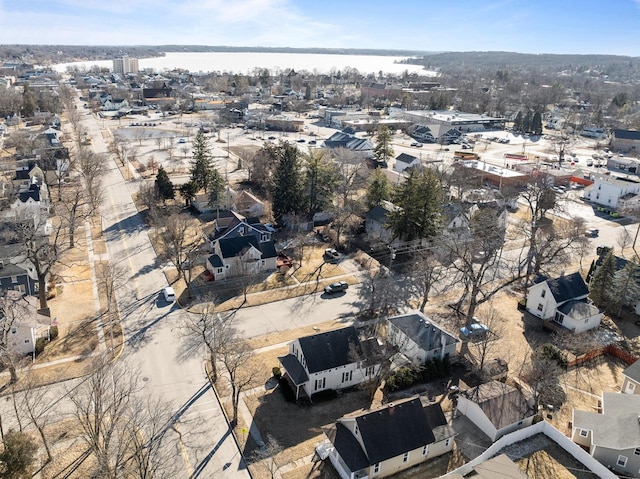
[[169, 294], [416, 144], [336, 287], [272, 138], [331, 254], [592, 232], [474, 331], [182, 140], [301, 140]]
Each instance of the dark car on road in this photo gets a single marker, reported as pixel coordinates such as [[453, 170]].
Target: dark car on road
[[336, 287]]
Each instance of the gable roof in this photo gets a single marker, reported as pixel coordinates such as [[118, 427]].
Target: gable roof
[[568, 287], [502, 404], [422, 331], [405, 158], [633, 371], [618, 426], [230, 247], [328, 350], [396, 429]]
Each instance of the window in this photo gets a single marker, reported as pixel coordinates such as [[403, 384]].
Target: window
[[14, 279], [36, 287], [425, 449], [26, 341], [370, 371], [347, 376], [622, 461], [637, 451], [19, 287], [405, 457], [540, 306], [14, 330], [447, 442], [355, 431], [376, 468], [219, 270], [544, 292], [584, 433], [264, 237], [320, 383]]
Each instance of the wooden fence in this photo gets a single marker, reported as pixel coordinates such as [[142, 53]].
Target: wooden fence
[[610, 349]]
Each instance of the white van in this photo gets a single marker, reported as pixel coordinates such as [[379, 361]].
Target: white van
[[169, 294]]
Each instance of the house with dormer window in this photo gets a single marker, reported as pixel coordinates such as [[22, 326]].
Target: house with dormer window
[[240, 246], [331, 360]]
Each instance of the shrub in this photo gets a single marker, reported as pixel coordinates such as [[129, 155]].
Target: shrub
[[407, 377], [552, 352], [276, 372], [53, 332], [40, 342]]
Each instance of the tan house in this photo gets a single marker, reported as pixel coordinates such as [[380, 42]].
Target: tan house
[[385, 441]]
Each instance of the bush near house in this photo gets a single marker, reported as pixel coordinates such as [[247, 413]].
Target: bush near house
[[407, 377], [552, 352]]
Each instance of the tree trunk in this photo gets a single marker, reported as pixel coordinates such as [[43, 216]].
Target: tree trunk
[[42, 291], [45, 443]]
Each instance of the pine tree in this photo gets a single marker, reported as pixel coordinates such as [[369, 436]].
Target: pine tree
[[321, 179], [526, 123], [383, 149], [600, 287], [378, 189], [517, 123], [420, 201], [287, 191], [216, 188], [188, 191], [626, 288], [536, 123], [202, 169], [164, 186]]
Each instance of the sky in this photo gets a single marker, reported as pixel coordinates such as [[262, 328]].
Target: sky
[[527, 26]]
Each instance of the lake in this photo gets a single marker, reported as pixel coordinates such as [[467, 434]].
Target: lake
[[246, 62]]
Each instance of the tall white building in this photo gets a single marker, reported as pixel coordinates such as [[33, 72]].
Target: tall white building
[[125, 64]]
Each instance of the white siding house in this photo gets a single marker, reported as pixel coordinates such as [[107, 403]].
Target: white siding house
[[419, 339], [612, 192], [564, 302], [325, 361]]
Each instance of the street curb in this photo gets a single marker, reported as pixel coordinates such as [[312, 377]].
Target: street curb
[[224, 413]]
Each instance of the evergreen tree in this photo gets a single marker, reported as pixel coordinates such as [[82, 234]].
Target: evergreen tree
[[321, 179], [188, 191], [600, 287], [626, 288], [536, 123], [420, 201], [164, 186], [287, 191], [383, 149], [378, 189], [526, 123], [517, 123], [29, 102], [202, 169], [18, 455], [216, 188]]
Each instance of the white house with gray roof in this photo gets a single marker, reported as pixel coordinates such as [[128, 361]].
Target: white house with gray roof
[[613, 436], [631, 381], [564, 301], [334, 360], [419, 339], [405, 161]]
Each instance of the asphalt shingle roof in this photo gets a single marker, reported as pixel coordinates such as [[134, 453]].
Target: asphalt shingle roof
[[395, 429], [329, 349], [633, 371], [422, 331], [294, 369], [568, 287], [405, 158]]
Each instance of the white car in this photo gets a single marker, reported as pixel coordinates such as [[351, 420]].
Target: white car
[[169, 294]]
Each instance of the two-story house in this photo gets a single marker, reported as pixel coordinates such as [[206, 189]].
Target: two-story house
[[333, 360], [240, 246], [613, 436], [613, 192], [20, 323], [383, 442], [563, 301], [17, 273], [419, 339]]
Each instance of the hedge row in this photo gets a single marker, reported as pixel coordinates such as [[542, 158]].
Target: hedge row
[[406, 377]]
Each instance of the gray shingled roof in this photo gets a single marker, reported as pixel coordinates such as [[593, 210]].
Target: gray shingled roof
[[633, 371], [568, 287], [424, 332], [405, 158], [329, 349], [294, 369], [395, 429], [578, 309], [502, 404]]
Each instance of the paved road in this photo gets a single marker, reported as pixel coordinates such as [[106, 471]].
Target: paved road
[[153, 339]]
